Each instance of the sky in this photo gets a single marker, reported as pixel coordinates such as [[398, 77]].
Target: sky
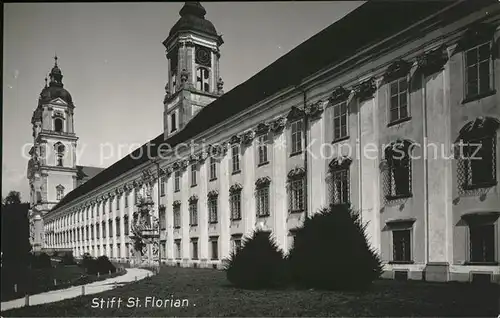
[[114, 65]]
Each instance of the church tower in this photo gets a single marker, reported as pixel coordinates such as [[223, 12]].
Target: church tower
[[52, 170], [193, 66]]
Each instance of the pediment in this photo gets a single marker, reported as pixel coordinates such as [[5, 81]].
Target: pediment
[[58, 101]]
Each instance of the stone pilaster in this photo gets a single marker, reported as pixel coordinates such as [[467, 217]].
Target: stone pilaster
[[169, 216], [439, 226], [316, 170], [224, 238], [279, 210], [248, 197], [185, 214], [203, 208], [123, 212], [370, 171]]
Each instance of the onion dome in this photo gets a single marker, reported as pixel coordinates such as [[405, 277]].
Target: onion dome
[[192, 19], [55, 89]]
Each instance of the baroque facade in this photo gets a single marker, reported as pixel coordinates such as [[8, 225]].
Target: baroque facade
[[386, 118]]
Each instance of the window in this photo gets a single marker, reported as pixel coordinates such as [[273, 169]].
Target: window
[[97, 231], [58, 125], [236, 243], [173, 124], [60, 192], [202, 79], [398, 93], [482, 243], [110, 230], [178, 253], [340, 121], [118, 252], [194, 168], [236, 158], [193, 212], [118, 227], [212, 209], [297, 194], [262, 143], [339, 173], [478, 70], [194, 248], [235, 201], [103, 229], [263, 200], [127, 194], [480, 154], [398, 177], [60, 149], [215, 248], [87, 236], [213, 169], [177, 216], [177, 181], [477, 162], [162, 186], [163, 218], [110, 250], [296, 128], [110, 207], [92, 231], [401, 244], [125, 225], [118, 198]]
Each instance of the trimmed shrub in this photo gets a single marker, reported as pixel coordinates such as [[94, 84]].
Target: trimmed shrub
[[331, 251], [104, 265], [68, 259], [259, 264], [41, 260]]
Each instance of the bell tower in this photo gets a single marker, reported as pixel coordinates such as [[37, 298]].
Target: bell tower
[[52, 167], [193, 56]]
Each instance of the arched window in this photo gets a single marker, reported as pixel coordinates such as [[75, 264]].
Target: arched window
[[173, 123], [296, 189], [202, 76], [59, 148], [58, 125], [398, 173], [340, 185], [477, 153], [60, 192]]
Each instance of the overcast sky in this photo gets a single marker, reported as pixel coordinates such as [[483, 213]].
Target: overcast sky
[[114, 65]]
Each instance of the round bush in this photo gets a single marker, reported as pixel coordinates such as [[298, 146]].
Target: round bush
[[259, 264], [331, 252]]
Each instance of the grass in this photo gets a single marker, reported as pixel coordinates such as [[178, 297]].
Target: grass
[[42, 280], [209, 294]]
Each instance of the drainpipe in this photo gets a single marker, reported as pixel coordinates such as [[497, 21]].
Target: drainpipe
[[426, 171], [306, 155], [157, 162], [360, 165]]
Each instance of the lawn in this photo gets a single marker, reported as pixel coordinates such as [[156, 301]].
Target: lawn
[[209, 294], [41, 280]]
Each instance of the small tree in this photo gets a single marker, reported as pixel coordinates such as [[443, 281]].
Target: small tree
[[331, 251], [259, 264]]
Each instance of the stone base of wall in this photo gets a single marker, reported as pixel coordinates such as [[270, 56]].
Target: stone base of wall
[[437, 272], [442, 272]]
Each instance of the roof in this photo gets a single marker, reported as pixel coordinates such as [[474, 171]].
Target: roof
[[192, 19], [359, 29], [88, 172]]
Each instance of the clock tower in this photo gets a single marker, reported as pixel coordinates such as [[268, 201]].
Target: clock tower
[[193, 68]]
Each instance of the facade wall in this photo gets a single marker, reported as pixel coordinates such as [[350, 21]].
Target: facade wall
[[439, 237]]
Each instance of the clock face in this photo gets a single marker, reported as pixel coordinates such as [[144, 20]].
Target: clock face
[[203, 56]]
